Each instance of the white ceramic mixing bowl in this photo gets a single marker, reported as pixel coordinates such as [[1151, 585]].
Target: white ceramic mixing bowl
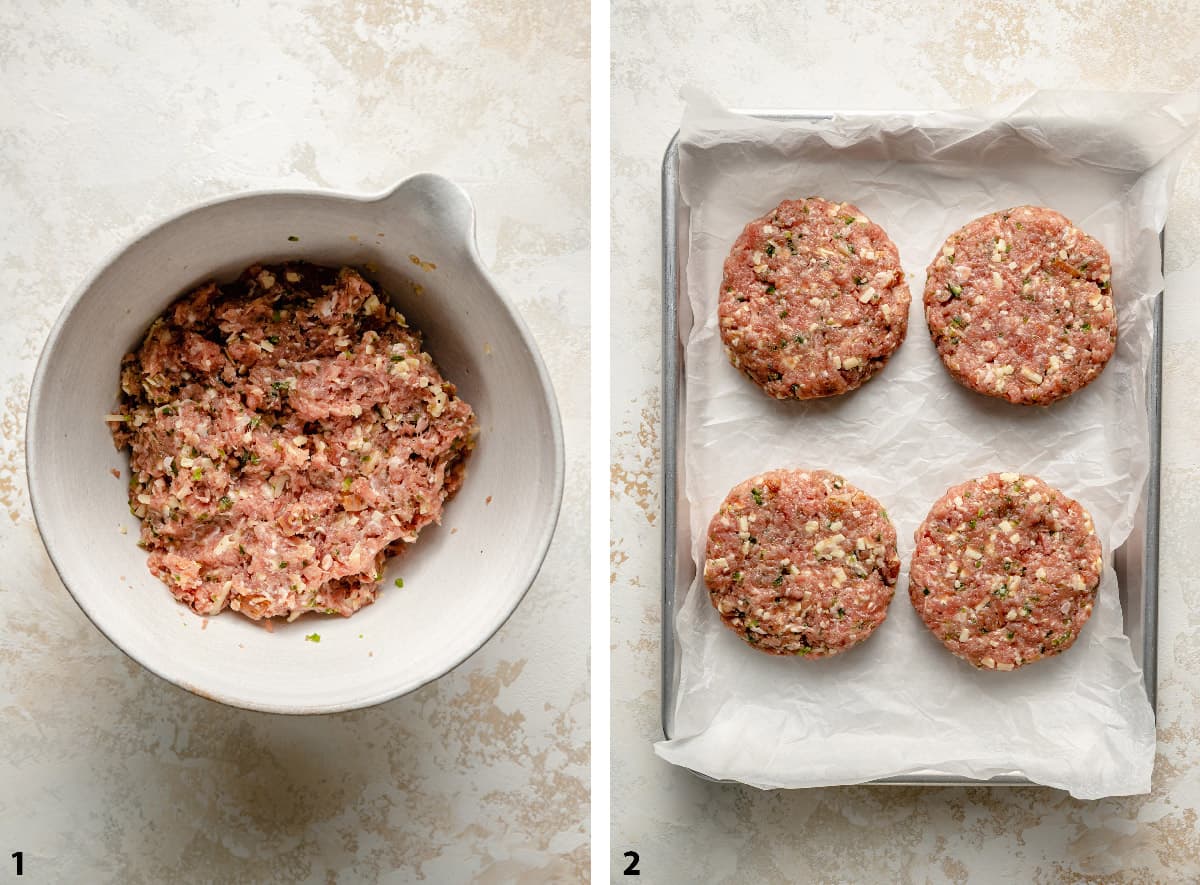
[[461, 579]]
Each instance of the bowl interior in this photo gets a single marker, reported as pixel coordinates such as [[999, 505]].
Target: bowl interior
[[461, 580]]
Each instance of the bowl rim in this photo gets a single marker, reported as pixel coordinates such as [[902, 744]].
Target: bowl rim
[[538, 549]]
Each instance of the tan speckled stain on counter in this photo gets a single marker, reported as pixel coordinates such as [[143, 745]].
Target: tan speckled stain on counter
[[635, 478], [12, 455], [111, 774], [937, 54]]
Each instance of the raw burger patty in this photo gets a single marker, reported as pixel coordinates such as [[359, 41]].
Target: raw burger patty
[[813, 300], [1005, 570], [286, 432], [801, 562], [1019, 304]]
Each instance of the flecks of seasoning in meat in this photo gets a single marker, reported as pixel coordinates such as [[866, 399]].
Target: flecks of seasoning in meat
[[801, 563], [1005, 570], [1019, 304], [287, 433], [813, 300]]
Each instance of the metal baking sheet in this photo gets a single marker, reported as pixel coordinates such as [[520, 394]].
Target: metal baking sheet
[[1135, 562]]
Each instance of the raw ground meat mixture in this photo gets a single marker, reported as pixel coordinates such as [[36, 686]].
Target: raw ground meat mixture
[[1019, 304], [813, 301], [801, 563], [1005, 570], [286, 433]]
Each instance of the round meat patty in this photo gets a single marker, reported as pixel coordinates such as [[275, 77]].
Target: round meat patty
[[801, 562], [813, 300], [1019, 304], [1005, 570]]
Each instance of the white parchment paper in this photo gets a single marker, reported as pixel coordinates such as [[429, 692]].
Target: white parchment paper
[[900, 703]]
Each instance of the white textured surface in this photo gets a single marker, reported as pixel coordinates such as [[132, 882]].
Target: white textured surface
[[115, 117], [883, 54]]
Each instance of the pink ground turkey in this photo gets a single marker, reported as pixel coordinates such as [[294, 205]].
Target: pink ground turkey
[[1005, 570], [286, 433], [1019, 304], [813, 300], [801, 563]]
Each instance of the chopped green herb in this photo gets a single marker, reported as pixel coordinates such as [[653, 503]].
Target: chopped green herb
[[1059, 640], [276, 316], [313, 637], [959, 322], [293, 239], [849, 219], [283, 564], [770, 250], [274, 339], [955, 289], [770, 290], [1086, 327], [197, 473], [757, 495], [225, 503], [400, 582]]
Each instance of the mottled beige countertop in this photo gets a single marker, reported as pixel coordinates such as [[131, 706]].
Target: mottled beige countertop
[[112, 119], [907, 55]]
